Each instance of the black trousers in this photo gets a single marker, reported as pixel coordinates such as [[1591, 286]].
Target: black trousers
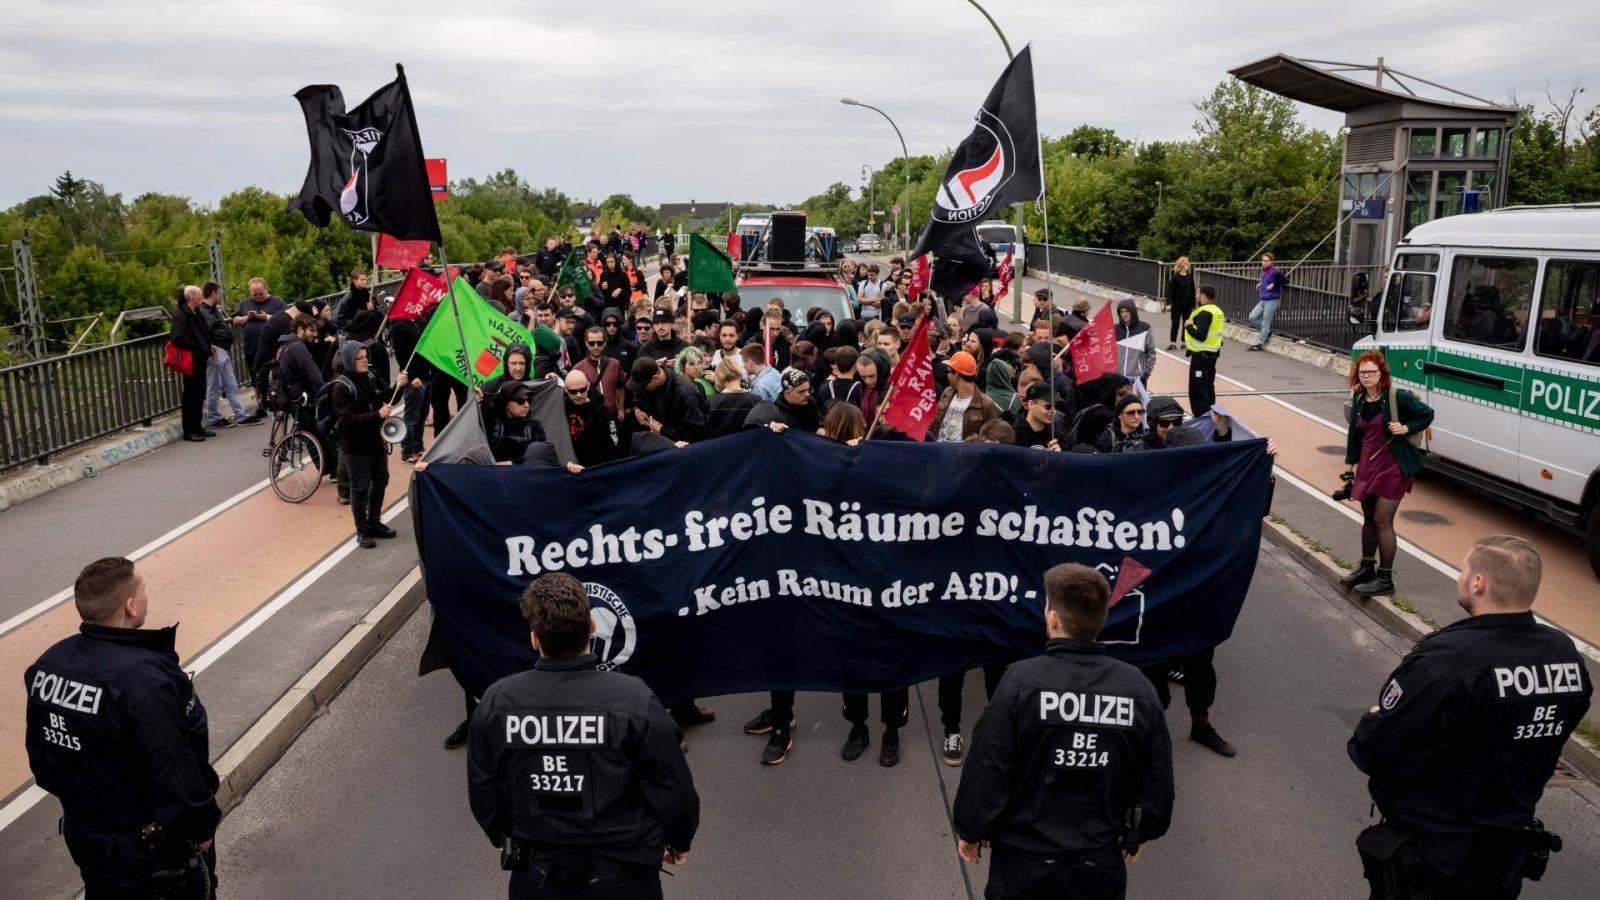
[[1175, 329], [439, 394], [1492, 870], [782, 706], [1089, 875], [193, 398], [950, 695], [638, 883], [369, 475], [1199, 681], [895, 705], [1202, 383]]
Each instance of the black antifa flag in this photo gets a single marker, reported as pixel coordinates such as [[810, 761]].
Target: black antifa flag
[[996, 165], [367, 163]]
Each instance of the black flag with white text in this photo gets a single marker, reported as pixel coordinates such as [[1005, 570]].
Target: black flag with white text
[[997, 164], [367, 164]]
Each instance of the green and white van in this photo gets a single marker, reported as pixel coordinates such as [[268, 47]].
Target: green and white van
[[1494, 319]]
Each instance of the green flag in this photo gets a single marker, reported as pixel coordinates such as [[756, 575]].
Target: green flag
[[487, 331], [710, 269], [573, 273]]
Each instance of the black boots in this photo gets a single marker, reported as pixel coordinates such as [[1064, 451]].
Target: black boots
[[1362, 572], [1381, 582]]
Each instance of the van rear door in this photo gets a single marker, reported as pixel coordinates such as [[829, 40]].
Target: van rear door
[[1477, 367]]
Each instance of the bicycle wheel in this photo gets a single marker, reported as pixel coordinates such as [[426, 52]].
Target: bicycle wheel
[[295, 467]]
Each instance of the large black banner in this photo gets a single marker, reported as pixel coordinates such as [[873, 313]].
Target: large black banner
[[768, 560]]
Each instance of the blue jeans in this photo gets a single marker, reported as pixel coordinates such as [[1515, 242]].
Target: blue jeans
[[1262, 316], [221, 381]]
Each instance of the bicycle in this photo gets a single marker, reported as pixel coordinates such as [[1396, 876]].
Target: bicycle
[[295, 458]]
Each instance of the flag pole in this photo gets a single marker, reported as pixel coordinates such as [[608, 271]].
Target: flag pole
[[1044, 209]]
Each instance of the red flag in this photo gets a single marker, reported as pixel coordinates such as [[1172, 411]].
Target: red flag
[[419, 293], [921, 272], [397, 254], [1129, 576], [1005, 273], [1094, 349], [735, 246], [912, 396]]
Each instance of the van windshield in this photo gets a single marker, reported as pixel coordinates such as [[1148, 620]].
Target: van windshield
[[997, 234]]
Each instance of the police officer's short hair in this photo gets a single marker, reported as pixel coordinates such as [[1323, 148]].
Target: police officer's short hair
[[102, 586], [1080, 596], [557, 609], [1510, 564]]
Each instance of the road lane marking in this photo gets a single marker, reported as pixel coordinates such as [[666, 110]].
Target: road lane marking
[[31, 795], [54, 600]]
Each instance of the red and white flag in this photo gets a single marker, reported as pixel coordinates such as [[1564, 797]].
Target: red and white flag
[[1005, 274], [921, 274], [1094, 348], [419, 293], [912, 395], [398, 254]]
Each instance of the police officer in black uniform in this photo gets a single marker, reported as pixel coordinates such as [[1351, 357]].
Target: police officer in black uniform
[[1465, 734], [116, 732], [576, 773], [1070, 767]]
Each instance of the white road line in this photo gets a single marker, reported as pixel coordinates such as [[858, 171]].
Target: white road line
[[1242, 386], [44, 606], [33, 794]]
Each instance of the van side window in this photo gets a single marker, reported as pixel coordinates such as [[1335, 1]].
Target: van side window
[[1491, 298], [1569, 311], [1407, 302]]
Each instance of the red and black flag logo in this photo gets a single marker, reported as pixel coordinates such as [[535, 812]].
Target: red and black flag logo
[[997, 164], [367, 164]]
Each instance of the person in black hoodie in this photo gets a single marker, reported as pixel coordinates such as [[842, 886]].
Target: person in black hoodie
[[190, 332], [664, 344], [357, 298], [618, 345], [667, 403], [594, 433], [359, 404], [513, 429], [794, 408], [548, 261], [405, 333], [1037, 424], [616, 288]]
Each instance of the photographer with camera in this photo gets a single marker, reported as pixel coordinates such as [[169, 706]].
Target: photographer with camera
[[1383, 453], [1464, 736]]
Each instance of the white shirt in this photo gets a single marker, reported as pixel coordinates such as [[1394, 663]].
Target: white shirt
[[950, 430]]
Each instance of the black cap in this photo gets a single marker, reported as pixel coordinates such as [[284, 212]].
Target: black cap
[[515, 391], [1043, 293], [566, 312], [495, 265], [1039, 390], [665, 315], [644, 369], [906, 321]]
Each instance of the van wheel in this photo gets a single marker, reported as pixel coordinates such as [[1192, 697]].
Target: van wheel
[[1592, 540]]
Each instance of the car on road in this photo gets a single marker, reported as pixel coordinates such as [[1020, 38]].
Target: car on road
[[868, 243], [800, 289], [1494, 320]]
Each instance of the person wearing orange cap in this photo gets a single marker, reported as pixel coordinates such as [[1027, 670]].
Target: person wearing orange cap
[[961, 395]]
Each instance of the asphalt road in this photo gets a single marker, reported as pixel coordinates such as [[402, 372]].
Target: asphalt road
[[368, 804]]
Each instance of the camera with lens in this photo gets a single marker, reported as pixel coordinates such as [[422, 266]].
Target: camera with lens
[[1345, 490]]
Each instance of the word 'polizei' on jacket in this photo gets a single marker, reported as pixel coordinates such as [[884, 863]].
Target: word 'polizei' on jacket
[[1068, 744], [570, 756]]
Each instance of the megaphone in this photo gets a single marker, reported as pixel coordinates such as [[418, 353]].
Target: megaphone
[[394, 427]]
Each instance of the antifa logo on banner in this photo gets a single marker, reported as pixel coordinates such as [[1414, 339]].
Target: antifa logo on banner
[[353, 203], [986, 161], [615, 634]]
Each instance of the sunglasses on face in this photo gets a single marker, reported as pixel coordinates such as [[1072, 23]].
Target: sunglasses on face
[[578, 392], [1131, 411], [1168, 423], [595, 343]]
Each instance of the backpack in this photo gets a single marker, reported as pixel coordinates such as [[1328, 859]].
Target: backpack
[[323, 410], [277, 396], [1414, 438]]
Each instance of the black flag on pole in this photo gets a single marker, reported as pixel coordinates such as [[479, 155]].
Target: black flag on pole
[[997, 164], [367, 164]]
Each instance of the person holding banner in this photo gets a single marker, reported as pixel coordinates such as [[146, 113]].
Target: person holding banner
[[1071, 767], [575, 772]]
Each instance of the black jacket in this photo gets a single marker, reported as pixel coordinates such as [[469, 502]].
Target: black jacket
[[1057, 430], [1469, 729], [548, 262], [360, 426], [1180, 293], [615, 281], [346, 307], [594, 433], [302, 377], [1033, 783], [116, 731], [626, 793], [663, 350], [679, 406], [509, 439], [727, 412], [277, 325], [190, 332]]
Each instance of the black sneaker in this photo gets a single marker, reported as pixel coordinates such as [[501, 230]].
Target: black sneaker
[[778, 746], [856, 743], [223, 422], [365, 541], [410, 458], [207, 433], [1256, 348], [381, 530], [1207, 737], [1362, 572], [692, 714], [457, 738], [952, 753], [889, 751], [763, 723], [256, 419], [1175, 675], [1381, 582], [344, 499]]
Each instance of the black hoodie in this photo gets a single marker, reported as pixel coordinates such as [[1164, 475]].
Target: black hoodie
[[594, 434]]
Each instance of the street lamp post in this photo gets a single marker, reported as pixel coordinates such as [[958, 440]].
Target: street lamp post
[[904, 155], [1017, 209]]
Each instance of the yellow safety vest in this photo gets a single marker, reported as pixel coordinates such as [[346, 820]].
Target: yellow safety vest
[[1213, 341]]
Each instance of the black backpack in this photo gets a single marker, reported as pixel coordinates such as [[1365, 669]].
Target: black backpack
[[327, 418], [277, 396]]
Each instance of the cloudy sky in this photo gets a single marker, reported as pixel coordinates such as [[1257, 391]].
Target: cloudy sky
[[673, 101]]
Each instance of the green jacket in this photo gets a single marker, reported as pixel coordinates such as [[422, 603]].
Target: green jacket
[[1414, 414]]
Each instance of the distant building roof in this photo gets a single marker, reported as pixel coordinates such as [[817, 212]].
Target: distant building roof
[[588, 212], [1301, 80]]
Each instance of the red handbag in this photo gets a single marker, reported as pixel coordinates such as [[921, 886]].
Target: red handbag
[[178, 359]]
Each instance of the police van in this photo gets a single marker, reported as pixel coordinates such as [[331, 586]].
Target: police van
[[1002, 236], [1494, 319]]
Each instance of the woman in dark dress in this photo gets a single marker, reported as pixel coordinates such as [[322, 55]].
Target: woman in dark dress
[[1382, 460]]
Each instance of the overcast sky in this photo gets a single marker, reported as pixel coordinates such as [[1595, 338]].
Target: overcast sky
[[673, 101]]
